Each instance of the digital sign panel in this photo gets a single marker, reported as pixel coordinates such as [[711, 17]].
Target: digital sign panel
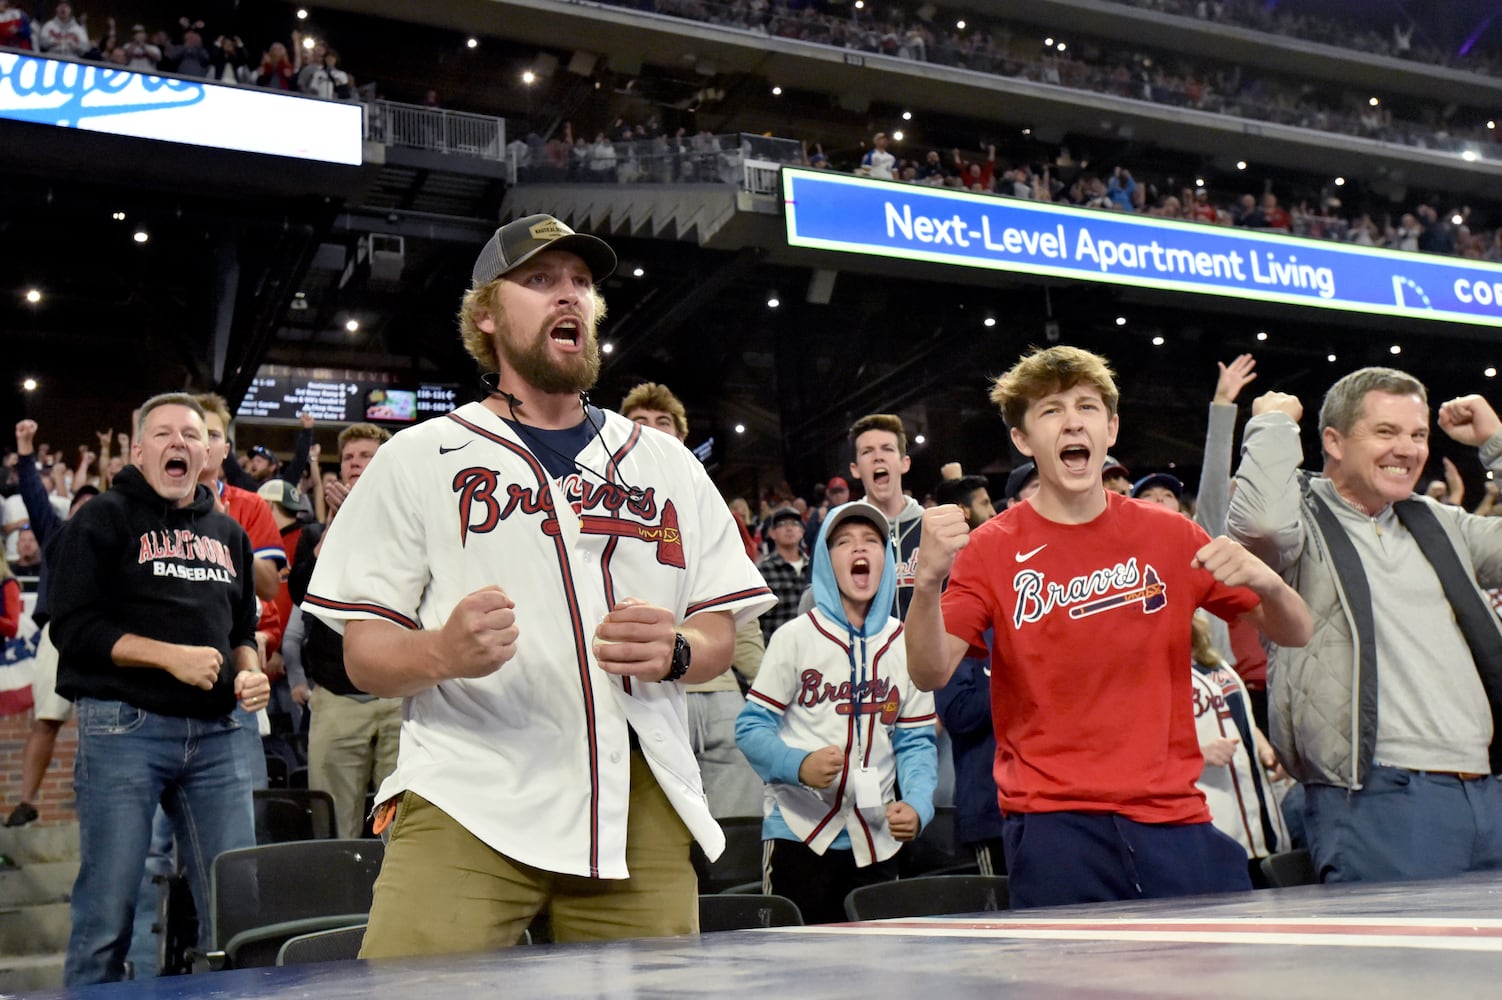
[[102, 98], [912, 222], [279, 393]]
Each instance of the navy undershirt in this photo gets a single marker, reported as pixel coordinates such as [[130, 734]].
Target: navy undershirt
[[556, 448]]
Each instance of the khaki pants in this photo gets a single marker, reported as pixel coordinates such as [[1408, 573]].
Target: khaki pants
[[351, 744], [441, 890]]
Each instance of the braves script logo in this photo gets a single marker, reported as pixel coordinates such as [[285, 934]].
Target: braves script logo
[[65, 93], [1205, 702], [167, 549], [1121, 585], [478, 489], [874, 697]]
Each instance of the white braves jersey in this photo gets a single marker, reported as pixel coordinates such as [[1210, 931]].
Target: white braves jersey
[[1231, 790], [534, 759], [807, 679]]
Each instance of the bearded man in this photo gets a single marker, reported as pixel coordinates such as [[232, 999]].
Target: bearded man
[[538, 578]]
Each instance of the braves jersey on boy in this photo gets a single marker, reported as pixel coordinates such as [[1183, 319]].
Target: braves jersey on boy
[[825, 696], [534, 759], [1092, 630]]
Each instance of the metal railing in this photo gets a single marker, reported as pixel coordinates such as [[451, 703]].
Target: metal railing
[[750, 162], [417, 127]]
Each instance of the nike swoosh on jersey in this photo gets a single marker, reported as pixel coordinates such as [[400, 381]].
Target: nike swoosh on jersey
[[444, 451], [1025, 556]]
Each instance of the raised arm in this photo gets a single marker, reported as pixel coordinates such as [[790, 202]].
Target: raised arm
[[932, 653], [1263, 513], [1215, 472]]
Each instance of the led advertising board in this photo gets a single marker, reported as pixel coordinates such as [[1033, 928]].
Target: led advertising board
[[101, 98], [913, 222]]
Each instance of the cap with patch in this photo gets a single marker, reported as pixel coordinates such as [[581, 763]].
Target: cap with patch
[[857, 510], [784, 514], [1113, 467], [1020, 477], [286, 496], [1171, 483], [519, 240]]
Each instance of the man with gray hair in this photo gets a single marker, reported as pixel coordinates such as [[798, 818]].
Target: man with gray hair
[[1389, 715], [154, 611]]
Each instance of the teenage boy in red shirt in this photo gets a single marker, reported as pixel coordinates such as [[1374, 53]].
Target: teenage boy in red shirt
[[1090, 595]]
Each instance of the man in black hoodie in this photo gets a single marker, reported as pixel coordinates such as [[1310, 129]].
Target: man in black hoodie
[[154, 616]]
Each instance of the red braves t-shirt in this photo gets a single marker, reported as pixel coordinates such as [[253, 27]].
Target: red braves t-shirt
[[1090, 686]]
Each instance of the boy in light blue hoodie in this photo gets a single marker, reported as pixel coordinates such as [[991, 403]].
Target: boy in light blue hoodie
[[834, 726]]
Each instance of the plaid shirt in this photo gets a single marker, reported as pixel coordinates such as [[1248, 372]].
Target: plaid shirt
[[788, 584]]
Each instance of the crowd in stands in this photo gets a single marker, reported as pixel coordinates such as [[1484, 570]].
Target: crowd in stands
[[630, 153], [1100, 65], [182, 48], [1405, 40]]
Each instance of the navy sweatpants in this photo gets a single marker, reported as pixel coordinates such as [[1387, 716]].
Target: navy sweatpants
[[1073, 857]]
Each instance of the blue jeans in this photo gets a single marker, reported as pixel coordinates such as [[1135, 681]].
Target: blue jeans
[[128, 761], [1403, 825], [251, 747]]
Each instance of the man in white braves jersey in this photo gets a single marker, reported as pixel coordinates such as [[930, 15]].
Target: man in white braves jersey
[[535, 576], [1097, 754]]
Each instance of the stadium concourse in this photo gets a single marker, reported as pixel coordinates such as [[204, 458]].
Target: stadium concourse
[[1443, 938]]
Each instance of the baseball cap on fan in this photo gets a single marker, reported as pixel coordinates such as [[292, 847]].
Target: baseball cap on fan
[[288, 497], [519, 240], [858, 510]]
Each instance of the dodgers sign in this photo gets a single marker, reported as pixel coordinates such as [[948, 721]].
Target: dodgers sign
[[145, 106], [911, 222]]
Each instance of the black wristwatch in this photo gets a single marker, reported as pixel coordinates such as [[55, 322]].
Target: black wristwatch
[[683, 655]]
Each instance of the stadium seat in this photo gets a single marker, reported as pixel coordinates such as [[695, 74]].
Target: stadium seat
[[264, 895], [929, 896], [1289, 868], [743, 912], [337, 945], [741, 861], [284, 815]]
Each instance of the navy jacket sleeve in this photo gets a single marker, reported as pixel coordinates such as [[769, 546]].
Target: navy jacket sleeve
[[293, 470], [964, 704], [44, 519]]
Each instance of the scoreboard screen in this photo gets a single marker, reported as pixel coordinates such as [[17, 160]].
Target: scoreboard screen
[[279, 394]]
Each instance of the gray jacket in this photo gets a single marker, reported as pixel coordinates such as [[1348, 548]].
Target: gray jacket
[[1323, 698]]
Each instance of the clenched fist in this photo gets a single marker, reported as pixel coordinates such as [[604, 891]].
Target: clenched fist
[[821, 767], [253, 689], [1231, 564], [902, 821], [1220, 751], [1469, 420], [945, 532], [1278, 402], [480, 634], [636, 639], [196, 665]]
